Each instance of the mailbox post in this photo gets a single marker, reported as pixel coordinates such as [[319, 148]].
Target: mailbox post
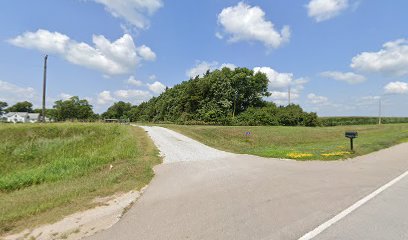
[[351, 135]]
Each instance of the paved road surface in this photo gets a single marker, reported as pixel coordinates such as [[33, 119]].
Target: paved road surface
[[384, 217], [248, 197]]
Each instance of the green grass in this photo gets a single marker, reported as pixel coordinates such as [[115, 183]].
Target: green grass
[[293, 142], [49, 171]]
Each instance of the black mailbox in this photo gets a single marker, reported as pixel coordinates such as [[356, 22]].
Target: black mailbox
[[351, 134]]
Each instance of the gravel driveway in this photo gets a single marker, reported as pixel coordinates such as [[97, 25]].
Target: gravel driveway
[[203, 193], [176, 147]]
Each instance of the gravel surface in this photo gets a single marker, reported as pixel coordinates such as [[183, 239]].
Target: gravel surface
[[247, 197], [176, 147]]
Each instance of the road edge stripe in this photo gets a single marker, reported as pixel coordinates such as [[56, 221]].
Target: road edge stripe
[[344, 213]]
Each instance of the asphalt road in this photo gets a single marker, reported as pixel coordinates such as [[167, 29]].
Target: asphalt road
[[248, 197], [384, 217]]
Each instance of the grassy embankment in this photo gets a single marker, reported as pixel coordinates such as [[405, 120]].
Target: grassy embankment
[[303, 143], [49, 171]]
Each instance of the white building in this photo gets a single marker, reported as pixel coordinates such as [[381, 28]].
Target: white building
[[21, 117]]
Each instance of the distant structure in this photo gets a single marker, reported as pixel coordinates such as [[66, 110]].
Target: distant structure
[[21, 117]]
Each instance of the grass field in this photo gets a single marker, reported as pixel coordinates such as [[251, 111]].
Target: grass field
[[303, 143], [48, 171]]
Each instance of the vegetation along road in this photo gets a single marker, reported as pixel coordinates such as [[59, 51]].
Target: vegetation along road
[[49, 171], [302, 143], [248, 197]]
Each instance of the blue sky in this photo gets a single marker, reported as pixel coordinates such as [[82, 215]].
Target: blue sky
[[338, 56]]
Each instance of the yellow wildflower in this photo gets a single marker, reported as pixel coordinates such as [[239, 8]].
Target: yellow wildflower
[[299, 155], [332, 154]]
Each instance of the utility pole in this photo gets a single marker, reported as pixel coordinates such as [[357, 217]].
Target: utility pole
[[379, 111], [44, 88]]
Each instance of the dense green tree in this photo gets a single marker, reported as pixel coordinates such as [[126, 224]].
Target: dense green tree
[[73, 109], [224, 97], [49, 112], [21, 107], [217, 97], [3, 106], [119, 110]]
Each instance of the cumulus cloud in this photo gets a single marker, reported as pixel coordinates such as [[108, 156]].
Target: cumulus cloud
[[396, 88], [276, 79], [348, 77], [322, 10], [317, 100], [157, 87], [135, 96], [202, 67], [133, 81], [134, 12], [281, 80], [12, 93], [111, 58], [246, 23], [104, 97], [279, 84], [146, 53], [391, 59], [65, 96]]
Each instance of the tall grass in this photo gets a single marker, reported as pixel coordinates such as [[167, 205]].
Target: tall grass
[[50, 170]]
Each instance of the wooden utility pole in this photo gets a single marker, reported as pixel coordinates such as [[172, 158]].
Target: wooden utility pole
[[44, 88], [379, 111]]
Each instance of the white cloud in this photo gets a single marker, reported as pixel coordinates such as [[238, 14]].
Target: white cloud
[[348, 77], [279, 81], [43, 40], [134, 12], [133, 81], [318, 100], [12, 93], [146, 53], [135, 96], [202, 67], [157, 87], [282, 97], [65, 96], [322, 10], [152, 77], [111, 58], [392, 59], [105, 97], [228, 65], [396, 87], [276, 79], [245, 23], [368, 100]]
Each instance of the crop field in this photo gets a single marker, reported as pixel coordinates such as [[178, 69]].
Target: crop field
[[49, 171], [301, 143]]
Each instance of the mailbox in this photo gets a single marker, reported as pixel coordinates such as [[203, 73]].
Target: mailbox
[[351, 134]]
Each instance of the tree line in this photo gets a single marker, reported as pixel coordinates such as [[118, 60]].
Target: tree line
[[222, 97], [63, 110]]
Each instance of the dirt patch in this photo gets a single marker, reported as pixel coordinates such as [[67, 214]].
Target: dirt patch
[[86, 223]]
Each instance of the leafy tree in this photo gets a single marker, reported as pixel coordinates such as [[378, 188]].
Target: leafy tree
[[21, 107], [73, 109], [49, 112], [216, 97], [222, 97], [3, 106], [119, 110]]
